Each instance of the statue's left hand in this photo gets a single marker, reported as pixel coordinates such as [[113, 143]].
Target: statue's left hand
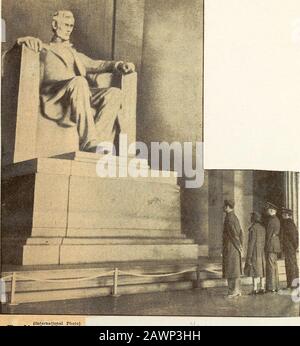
[[32, 43], [126, 67]]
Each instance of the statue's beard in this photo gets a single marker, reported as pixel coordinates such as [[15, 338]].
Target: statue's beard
[[57, 39]]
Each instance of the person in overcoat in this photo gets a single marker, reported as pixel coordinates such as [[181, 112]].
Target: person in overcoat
[[272, 248], [255, 265], [232, 250], [290, 243]]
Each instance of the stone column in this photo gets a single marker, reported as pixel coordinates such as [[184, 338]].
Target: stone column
[[215, 213], [291, 193], [129, 31]]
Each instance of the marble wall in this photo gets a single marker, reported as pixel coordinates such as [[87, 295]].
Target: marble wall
[[93, 33]]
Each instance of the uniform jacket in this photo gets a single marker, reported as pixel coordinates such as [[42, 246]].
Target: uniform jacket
[[290, 236], [272, 235]]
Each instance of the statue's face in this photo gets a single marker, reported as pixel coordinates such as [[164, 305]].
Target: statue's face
[[64, 28]]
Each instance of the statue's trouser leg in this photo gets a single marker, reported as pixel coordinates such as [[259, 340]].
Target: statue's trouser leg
[[81, 112], [107, 104]]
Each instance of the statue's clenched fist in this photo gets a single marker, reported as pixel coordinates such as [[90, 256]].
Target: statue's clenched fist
[[126, 67], [31, 42]]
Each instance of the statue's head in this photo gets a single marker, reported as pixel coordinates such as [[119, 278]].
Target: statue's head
[[63, 24]]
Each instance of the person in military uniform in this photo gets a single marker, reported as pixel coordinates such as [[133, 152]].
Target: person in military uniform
[[272, 248], [290, 243], [255, 265], [232, 250]]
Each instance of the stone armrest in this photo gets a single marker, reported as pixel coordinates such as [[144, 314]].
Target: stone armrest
[[128, 84]]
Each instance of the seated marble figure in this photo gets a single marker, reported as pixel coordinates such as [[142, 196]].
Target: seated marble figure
[[67, 93]]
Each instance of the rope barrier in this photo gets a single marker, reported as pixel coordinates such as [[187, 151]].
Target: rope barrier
[[115, 274], [66, 280], [28, 278], [158, 275]]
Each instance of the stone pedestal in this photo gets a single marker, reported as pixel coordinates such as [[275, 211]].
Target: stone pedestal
[[59, 211]]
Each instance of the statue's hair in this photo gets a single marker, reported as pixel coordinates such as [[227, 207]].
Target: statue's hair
[[61, 14]]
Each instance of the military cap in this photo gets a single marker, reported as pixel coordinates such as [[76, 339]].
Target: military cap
[[229, 203], [270, 205], [286, 211]]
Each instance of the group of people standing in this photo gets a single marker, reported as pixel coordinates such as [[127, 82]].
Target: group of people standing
[[269, 237]]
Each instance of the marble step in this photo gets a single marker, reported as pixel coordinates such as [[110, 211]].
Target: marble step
[[70, 271], [30, 297], [210, 275], [76, 254], [28, 290], [216, 273], [210, 283], [30, 286], [105, 241], [107, 233]]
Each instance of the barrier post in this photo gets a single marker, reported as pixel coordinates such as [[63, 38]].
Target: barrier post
[[13, 289], [3, 298], [197, 284], [115, 286]]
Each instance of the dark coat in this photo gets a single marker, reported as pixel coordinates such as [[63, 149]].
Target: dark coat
[[272, 235], [255, 261], [289, 236], [232, 247], [290, 243]]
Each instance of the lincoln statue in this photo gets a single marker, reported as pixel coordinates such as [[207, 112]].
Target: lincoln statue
[[68, 95]]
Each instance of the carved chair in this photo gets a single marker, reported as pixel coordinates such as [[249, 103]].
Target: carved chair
[[26, 133]]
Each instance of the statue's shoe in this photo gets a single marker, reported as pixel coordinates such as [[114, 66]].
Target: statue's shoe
[[234, 295], [93, 148]]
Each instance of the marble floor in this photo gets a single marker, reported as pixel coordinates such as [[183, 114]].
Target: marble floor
[[197, 302]]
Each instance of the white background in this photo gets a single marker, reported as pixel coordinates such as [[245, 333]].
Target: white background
[[252, 84]]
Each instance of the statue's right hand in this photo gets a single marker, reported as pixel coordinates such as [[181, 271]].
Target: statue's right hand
[[31, 42]]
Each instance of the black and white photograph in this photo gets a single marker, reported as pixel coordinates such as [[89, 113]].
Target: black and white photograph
[[106, 206]]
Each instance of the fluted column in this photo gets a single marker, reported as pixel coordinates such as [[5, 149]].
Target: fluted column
[[292, 191]]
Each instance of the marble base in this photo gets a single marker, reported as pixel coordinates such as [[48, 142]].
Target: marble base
[[63, 197]]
